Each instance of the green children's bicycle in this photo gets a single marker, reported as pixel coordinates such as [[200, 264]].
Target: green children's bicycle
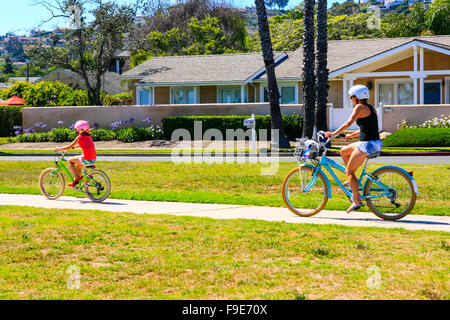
[[94, 183]]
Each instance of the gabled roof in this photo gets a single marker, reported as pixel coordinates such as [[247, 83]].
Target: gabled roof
[[214, 68], [343, 54], [111, 81]]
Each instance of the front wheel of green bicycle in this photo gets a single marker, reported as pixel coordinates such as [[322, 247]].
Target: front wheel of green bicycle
[[97, 186], [51, 183], [305, 194], [395, 203]]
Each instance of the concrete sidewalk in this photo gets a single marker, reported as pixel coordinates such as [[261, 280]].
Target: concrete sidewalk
[[223, 211]]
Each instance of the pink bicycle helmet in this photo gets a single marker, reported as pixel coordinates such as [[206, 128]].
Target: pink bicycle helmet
[[82, 125]]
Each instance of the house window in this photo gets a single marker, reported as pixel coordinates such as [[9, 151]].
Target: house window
[[144, 97], [183, 95], [230, 95], [287, 94], [386, 93], [400, 92], [405, 93], [432, 92]]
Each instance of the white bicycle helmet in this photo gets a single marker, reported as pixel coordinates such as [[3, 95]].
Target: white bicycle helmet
[[359, 91]]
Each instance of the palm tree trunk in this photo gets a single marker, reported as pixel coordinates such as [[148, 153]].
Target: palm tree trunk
[[321, 67], [272, 87], [308, 77]]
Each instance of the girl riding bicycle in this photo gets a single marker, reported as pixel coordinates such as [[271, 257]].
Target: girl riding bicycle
[[369, 139], [86, 143]]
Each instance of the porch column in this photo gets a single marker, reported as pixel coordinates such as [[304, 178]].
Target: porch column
[[344, 93], [243, 94], [416, 93], [422, 95], [350, 84]]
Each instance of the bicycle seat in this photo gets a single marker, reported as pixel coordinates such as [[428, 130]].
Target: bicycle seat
[[90, 166], [374, 155]]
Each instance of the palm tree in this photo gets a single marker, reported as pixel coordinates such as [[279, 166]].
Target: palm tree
[[272, 87], [321, 66], [308, 77]]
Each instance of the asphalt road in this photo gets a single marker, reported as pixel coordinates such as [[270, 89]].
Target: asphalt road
[[389, 159]]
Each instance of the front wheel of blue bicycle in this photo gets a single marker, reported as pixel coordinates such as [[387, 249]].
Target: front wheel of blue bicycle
[[395, 202], [304, 193]]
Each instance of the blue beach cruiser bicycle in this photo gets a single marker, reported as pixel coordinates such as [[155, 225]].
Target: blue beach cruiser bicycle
[[390, 192]]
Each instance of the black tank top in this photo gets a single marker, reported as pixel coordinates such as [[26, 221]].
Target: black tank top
[[368, 126]]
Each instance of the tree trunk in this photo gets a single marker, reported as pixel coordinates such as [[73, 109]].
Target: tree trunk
[[308, 77], [272, 87], [321, 67]]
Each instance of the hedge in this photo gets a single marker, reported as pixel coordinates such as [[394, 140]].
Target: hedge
[[292, 124], [419, 137], [10, 116], [131, 134]]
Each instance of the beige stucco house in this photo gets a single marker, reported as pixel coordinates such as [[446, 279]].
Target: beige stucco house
[[398, 71]]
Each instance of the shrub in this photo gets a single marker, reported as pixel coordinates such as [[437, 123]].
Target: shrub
[[53, 93], [103, 134], [10, 117], [419, 137], [443, 122], [292, 124], [62, 135]]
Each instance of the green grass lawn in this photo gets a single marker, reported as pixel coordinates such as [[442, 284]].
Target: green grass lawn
[[130, 256], [219, 183]]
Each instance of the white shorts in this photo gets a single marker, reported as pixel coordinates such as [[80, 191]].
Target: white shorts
[[370, 147]]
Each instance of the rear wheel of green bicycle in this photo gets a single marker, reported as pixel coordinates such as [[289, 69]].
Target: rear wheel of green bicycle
[[51, 183], [304, 203], [98, 186], [401, 198]]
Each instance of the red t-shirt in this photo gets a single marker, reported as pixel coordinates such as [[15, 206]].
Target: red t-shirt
[[86, 144]]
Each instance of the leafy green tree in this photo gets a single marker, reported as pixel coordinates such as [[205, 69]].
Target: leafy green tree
[[209, 16], [207, 37], [91, 46], [345, 27], [279, 3], [348, 8], [438, 17], [8, 67]]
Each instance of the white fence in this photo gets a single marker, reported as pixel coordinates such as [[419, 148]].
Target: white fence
[[338, 116]]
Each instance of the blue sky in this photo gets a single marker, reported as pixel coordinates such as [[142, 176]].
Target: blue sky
[[21, 16]]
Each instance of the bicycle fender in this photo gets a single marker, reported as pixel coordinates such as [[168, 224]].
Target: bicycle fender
[[317, 170], [416, 190]]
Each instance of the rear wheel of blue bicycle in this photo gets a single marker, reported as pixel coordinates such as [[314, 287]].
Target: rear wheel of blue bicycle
[[401, 196], [303, 196]]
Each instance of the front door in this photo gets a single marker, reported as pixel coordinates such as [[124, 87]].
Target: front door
[[432, 92]]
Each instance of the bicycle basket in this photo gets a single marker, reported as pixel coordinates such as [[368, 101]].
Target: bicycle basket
[[306, 150]]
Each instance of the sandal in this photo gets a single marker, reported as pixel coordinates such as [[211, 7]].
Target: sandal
[[354, 207]]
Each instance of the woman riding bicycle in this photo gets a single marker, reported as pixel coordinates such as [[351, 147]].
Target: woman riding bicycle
[[369, 139], [86, 143]]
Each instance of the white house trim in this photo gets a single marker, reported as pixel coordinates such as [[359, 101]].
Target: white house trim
[[261, 71], [387, 53], [447, 90]]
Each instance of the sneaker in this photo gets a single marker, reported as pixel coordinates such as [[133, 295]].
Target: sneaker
[[75, 182]]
